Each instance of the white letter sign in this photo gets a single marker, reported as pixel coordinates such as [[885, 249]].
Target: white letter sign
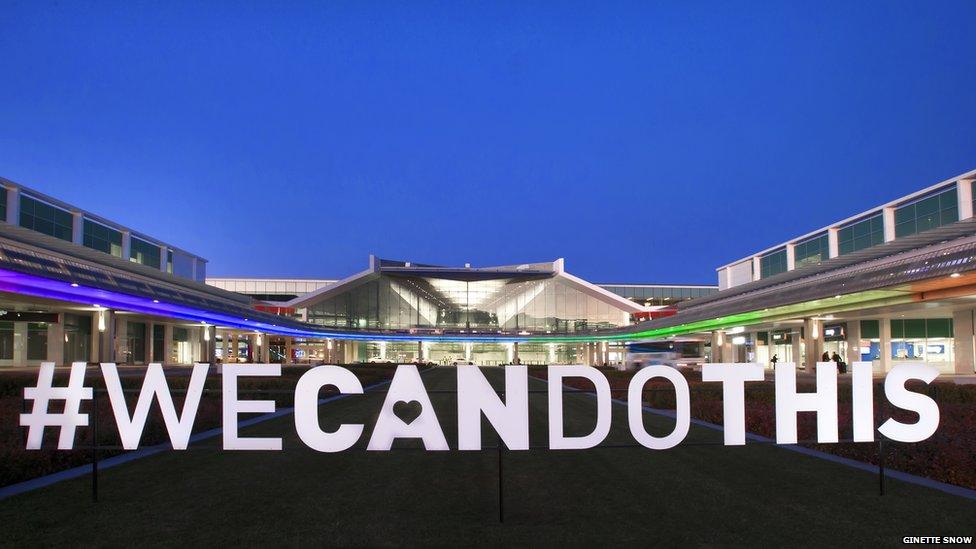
[[557, 440], [307, 408], [789, 402], [924, 406], [233, 406], [407, 390], [510, 419], [154, 386], [682, 408], [733, 378]]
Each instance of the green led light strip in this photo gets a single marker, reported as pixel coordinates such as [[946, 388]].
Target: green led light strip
[[806, 308]]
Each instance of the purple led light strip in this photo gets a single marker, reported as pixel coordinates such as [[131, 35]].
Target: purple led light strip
[[25, 284]]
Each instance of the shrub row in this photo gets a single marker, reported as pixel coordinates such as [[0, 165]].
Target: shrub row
[[18, 464], [948, 456]]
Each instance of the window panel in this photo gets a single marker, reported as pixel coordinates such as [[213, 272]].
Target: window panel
[[772, 263], [811, 251], [863, 234], [928, 213], [45, 218], [144, 253], [99, 237]]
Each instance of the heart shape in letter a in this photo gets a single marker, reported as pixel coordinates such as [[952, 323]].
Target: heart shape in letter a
[[407, 411]]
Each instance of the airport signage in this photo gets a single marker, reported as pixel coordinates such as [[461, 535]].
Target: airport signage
[[407, 411]]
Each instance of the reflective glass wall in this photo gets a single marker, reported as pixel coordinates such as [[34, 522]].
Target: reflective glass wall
[[541, 305]]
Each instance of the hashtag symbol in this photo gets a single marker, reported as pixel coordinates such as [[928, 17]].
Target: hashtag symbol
[[43, 393]]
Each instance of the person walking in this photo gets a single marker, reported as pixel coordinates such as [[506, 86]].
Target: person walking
[[773, 361], [825, 357]]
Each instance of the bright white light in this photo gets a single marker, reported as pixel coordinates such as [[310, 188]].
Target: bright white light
[[953, 275], [736, 330], [739, 340], [74, 284]]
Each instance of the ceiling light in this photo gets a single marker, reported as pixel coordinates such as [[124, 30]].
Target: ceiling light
[[955, 275]]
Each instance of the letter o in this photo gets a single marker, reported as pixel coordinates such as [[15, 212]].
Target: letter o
[[635, 407]]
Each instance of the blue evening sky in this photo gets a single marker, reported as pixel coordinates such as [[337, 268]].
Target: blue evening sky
[[642, 141]]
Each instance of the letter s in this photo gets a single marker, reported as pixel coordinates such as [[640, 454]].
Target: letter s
[[925, 407]]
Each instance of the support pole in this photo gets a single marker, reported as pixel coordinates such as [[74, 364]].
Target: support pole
[[501, 484], [94, 446], [881, 466]]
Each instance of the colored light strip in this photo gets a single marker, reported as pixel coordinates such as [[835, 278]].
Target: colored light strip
[[25, 284], [20, 283]]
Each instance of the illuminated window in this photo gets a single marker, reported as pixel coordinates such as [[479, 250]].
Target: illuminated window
[[926, 340]]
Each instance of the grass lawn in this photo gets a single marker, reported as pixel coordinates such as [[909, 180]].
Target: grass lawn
[[689, 495]]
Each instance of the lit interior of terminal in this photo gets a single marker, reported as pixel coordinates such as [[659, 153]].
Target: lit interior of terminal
[[894, 283]]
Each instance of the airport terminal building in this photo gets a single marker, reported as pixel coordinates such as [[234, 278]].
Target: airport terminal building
[[894, 282]]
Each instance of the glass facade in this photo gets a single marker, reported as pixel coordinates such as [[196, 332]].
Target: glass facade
[[927, 213], [861, 235], [6, 340], [36, 341], [45, 218], [136, 342], [77, 337], [402, 302], [181, 351], [811, 251], [144, 253], [483, 354], [3, 203], [159, 342], [658, 295], [102, 238], [926, 340], [772, 263]]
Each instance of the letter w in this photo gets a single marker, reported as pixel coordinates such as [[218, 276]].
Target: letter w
[[154, 386]]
